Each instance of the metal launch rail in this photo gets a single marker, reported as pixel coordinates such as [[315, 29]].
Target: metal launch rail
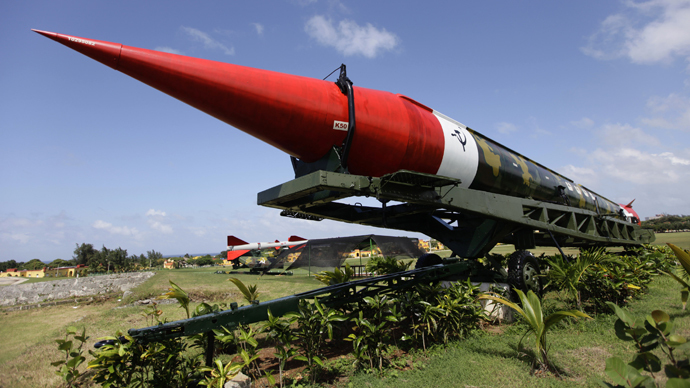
[[332, 296], [469, 222]]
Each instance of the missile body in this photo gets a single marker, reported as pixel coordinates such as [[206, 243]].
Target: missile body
[[307, 118], [235, 244]]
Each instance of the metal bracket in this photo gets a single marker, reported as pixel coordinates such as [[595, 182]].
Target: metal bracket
[[345, 85]]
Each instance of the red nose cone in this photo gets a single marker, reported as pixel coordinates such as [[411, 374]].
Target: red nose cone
[[298, 115], [106, 53]]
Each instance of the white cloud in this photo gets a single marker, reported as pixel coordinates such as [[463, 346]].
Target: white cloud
[[583, 123], [624, 135], [152, 212], [349, 38], [506, 128], [166, 49], [259, 28], [582, 175], [120, 230], [671, 112], [208, 42], [155, 221], [159, 226], [21, 238], [654, 31], [640, 167]]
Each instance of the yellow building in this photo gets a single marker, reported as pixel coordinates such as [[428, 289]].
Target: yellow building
[[79, 270], [357, 253]]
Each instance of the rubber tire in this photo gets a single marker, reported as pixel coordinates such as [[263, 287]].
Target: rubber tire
[[428, 259], [523, 272]]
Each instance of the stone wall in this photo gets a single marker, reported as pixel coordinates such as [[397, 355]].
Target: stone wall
[[70, 288]]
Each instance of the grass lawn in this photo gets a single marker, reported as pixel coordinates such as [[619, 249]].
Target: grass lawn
[[681, 239], [578, 348], [490, 359]]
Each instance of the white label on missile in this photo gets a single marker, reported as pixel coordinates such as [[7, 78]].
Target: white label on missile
[[90, 43], [460, 154], [340, 125]]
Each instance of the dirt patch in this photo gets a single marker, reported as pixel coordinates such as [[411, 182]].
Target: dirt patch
[[590, 359]]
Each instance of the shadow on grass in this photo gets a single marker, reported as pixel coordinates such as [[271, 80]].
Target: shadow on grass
[[524, 355], [681, 314]]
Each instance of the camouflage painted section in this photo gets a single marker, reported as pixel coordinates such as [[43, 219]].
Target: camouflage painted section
[[503, 171]]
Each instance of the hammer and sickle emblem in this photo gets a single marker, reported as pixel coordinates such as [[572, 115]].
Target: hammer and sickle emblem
[[461, 138]]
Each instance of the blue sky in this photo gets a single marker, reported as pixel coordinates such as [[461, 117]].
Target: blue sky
[[598, 91]]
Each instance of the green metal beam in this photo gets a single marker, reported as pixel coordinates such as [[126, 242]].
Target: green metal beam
[[331, 296]]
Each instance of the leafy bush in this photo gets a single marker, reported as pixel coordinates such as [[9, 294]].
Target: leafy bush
[[337, 276], [69, 367], [460, 311], [566, 275], [682, 275], [314, 322], [654, 332], [596, 277], [250, 293], [370, 340], [125, 361], [385, 265]]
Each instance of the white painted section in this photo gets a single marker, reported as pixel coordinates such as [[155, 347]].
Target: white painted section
[[460, 155], [265, 245]]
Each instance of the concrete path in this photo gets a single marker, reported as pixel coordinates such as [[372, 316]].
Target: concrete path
[[11, 281]]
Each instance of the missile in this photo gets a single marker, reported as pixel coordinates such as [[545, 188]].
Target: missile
[[309, 118], [235, 244]]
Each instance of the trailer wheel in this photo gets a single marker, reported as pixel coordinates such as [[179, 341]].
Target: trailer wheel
[[523, 272], [428, 259]]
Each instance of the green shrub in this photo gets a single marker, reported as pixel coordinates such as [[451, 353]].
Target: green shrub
[[337, 276], [654, 332], [385, 265], [683, 274], [126, 361], [69, 367]]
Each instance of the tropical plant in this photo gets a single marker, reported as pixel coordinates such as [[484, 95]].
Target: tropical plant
[[420, 311], [682, 277], [250, 293], [279, 330], [313, 322], [175, 292], [459, 309], [124, 362], [531, 311], [218, 374], [69, 366], [616, 282], [370, 340], [337, 276], [566, 275], [248, 350], [152, 314], [385, 265], [654, 332]]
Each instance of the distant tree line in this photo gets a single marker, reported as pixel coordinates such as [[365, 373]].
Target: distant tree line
[[113, 260], [667, 223]]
